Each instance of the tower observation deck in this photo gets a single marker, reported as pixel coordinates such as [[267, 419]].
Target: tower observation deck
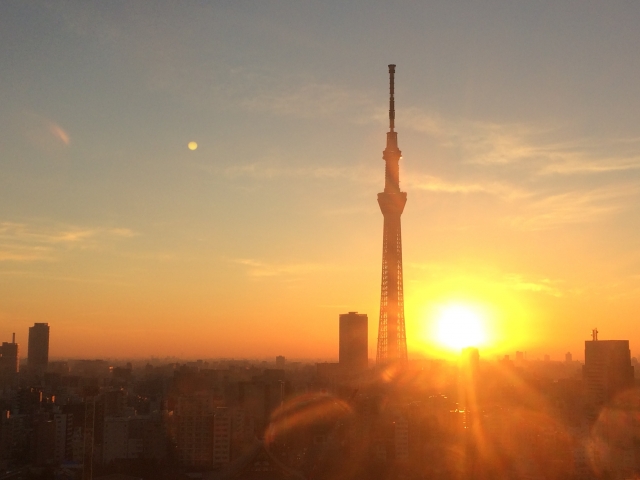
[[392, 340]]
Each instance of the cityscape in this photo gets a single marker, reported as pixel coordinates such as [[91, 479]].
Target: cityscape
[[191, 285], [398, 419]]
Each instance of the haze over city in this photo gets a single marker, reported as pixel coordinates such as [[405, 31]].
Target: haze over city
[[518, 124]]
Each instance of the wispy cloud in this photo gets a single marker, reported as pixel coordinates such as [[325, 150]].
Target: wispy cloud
[[22, 242], [510, 281], [435, 184], [257, 268], [543, 285], [275, 167], [572, 207], [311, 100]]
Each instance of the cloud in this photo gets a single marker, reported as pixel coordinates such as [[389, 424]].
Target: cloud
[[438, 185], [475, 273], [310, 100], [257, 268], [544, 285], [22, 242], [572, 207]]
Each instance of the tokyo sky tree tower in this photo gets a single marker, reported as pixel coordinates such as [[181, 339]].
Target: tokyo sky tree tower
[[392, 340]]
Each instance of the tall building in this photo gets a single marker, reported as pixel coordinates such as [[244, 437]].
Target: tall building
[[194, 421], [607, 369], [9, 361], [392, 342], [353, 353], [222, 436], [38, 350]]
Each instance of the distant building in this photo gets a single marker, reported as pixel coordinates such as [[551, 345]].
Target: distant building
[[519, 356], [115, 439], [280, 361], [353, 352], [401, 438], [222, 436], [63, 436], [194, 415], [568, 357], [9, 361], [607, 369], [547, 358], [38, 349]]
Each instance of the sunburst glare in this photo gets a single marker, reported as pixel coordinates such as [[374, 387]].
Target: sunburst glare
[[459, 326]]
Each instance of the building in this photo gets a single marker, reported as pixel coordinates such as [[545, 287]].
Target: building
[[63, 423], [280, 361], [568, 357], [9, 361], [222, 436], [38, 349], [194, 415], [607, 369], [392, 342], [115, 443], [353, 354]]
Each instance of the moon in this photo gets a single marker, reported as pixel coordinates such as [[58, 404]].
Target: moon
[[192, 145]]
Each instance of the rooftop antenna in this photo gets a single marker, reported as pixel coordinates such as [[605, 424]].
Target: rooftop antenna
[[14, 338], [392, 106], [594, 334]]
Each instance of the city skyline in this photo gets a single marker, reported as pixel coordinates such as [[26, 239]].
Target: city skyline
[[519, 127]]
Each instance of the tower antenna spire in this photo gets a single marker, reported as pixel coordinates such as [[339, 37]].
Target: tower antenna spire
[[392, 106], [392, 338]]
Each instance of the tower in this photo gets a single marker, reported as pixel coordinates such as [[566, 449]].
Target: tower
[[392, 341], [38, 348], [353, 352]]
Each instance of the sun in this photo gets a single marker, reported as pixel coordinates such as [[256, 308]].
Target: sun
[[459, 326]]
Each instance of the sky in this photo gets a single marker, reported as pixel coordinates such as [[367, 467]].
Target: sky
[[519, 124]]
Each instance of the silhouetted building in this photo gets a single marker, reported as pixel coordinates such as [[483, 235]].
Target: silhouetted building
[[607, 369], [353, 352], [280, 361], [38, 350], [392, 341], [568, 357], [519, 356], [9, 361]]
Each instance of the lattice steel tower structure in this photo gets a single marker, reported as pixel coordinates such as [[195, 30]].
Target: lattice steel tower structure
[[392, 340]]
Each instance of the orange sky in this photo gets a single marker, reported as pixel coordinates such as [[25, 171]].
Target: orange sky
[[520, 142]]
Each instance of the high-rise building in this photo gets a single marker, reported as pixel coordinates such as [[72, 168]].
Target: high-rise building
[[9, 361], [280, 361], [38, 349], [194, 421], [607, 369], [221, 436], [392, 342], [353, 354]]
